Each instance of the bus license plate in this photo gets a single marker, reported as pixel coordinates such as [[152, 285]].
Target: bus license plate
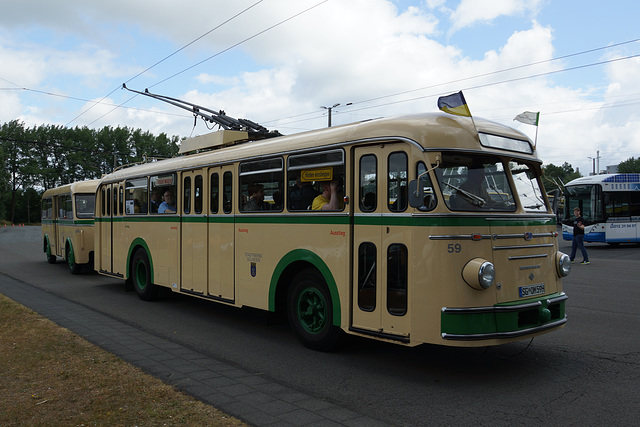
[[531, 290]]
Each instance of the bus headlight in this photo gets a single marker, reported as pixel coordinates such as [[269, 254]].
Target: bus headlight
[[479, 273], [563, 264]]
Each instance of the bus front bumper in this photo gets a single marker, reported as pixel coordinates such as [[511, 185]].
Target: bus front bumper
[[504, 321]]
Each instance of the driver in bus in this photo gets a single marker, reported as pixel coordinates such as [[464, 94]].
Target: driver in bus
[[169, 204]]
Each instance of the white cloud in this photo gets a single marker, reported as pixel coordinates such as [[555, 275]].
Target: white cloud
[[470, 12]]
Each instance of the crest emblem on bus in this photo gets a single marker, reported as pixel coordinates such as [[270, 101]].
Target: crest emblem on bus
[[528, 236]]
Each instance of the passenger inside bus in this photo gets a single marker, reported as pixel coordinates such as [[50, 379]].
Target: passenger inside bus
[[256, 198], [301, 195], [155, 201], [169, 204], [330, 199]]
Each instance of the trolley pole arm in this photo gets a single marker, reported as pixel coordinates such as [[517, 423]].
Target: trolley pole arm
[[218, 117]]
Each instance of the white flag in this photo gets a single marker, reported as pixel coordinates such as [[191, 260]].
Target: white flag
[[528, 118]]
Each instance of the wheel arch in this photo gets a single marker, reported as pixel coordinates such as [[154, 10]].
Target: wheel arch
[[138, 243], [289, 265]]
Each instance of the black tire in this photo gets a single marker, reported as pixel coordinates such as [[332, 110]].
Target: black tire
[[51, 259], [74, 267], [310, 311], [141, 276]]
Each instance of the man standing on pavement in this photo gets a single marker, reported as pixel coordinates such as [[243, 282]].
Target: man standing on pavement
[[578, 236]]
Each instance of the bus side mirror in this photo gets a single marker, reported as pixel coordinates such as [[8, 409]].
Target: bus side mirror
[[416, 195]]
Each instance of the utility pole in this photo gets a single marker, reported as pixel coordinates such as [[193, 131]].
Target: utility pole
[[329, 110]]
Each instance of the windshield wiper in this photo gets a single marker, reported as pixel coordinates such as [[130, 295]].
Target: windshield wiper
[[470, 197]]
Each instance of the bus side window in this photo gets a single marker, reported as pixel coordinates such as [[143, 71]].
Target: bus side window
[[368, 183], [397, 268], [397, 184], [197, 196], [227, 192], [367, 276], [215, 191], [186, 202]]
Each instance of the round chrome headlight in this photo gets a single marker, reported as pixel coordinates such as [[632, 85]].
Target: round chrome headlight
[[479, 273], [563, 263], [486, 274]]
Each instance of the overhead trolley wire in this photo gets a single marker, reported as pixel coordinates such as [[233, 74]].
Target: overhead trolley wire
[[158, 63]]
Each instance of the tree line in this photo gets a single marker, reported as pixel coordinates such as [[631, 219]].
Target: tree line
[[35, 159]]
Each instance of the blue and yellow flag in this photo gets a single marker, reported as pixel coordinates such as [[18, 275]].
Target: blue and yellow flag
[[454, 104]]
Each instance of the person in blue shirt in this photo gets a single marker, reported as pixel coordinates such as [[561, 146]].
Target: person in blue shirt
[[168, 204]]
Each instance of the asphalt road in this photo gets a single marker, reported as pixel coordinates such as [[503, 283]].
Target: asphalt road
[[585, 374]]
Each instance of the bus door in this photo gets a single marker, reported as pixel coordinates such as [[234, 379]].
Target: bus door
[[381, 241], [194, 247], [221, 233], [106, 229], [55, 244]]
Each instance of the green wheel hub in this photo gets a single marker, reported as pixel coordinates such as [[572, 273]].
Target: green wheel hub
[[312, 310], [140, 275]]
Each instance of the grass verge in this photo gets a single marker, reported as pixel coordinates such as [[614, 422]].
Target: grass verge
[[50, 376]]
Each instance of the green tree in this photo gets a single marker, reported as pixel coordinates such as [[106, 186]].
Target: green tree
[[35, 159], [631, 165], [557, 175]]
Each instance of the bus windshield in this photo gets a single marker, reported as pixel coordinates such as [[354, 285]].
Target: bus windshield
[[475, 182], [585, 197]]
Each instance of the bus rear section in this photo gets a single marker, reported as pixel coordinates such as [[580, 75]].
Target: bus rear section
[[68, 224]]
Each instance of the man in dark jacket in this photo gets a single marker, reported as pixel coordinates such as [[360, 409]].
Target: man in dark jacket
[[578, 236]]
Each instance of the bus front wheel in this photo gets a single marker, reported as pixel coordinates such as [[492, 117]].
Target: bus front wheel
[[310, 311], [141, 276]]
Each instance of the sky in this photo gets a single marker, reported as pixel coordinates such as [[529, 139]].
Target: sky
[[278, 62]]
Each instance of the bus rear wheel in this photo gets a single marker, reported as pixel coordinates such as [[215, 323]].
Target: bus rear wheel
[[74, 267], [141, 276], [310, 311], [51, 259]]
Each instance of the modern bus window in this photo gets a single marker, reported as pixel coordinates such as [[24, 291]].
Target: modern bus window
[[397, 268], [186, 192], [85, 205], [622, 204], [368, 183], [136, 196], [261, 184], [227, 192], [166, 187], [528, 187], [47, 208], [589, 199], [429, 203], [474, 183], [397, 182], [317, 170], [367, 276], [215, 192]]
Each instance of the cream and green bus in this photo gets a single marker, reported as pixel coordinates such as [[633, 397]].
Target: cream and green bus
[[418, 229], [68, 223]]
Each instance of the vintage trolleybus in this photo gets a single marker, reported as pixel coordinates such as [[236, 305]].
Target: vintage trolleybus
[[68, 223], [439, 230], [610, 205]]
